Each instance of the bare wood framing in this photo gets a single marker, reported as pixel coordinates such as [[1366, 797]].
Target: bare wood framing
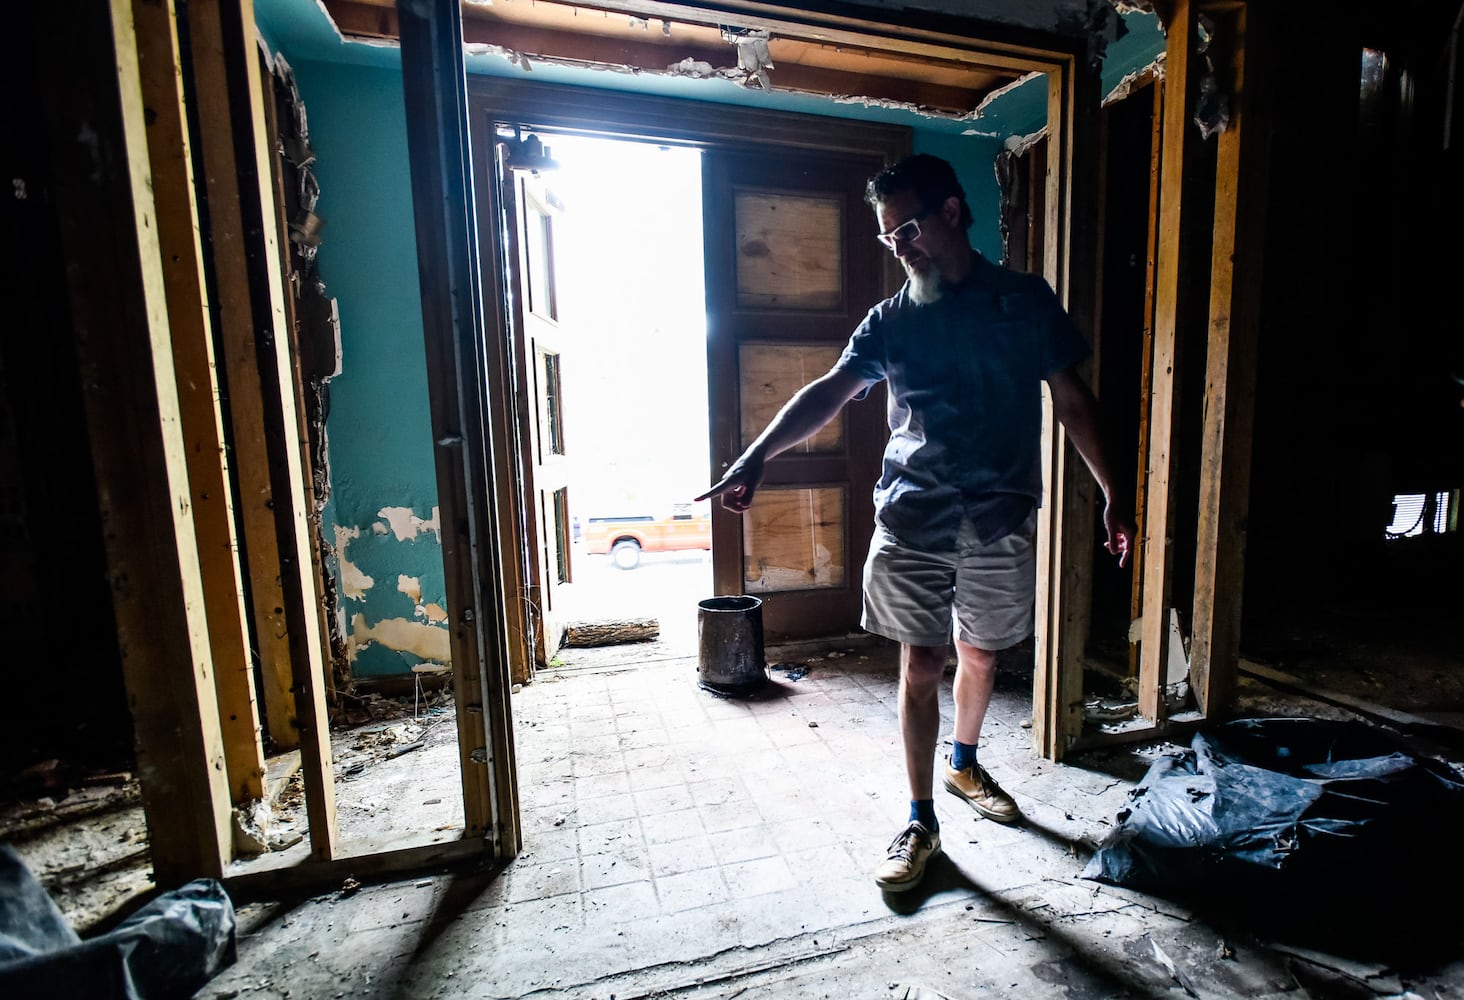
[[1065, 523], [1049, 713], [1230, 378], [240, 374], [261, 386], [1159, 502], [1099, 174], [198, 397], [1175, 730], [108, 221], [291, 329], [1035, 229], [1079, 283], [452, 320], [378, 862], [1404, 721], [1146, 366]]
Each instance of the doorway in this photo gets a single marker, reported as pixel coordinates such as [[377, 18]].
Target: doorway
[[752, 314], [629, 278]]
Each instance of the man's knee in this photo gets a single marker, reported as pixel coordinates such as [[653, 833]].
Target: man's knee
[[924, 665], [975, 661]]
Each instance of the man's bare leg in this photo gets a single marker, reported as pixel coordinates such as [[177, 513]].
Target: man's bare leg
[[921, 670], [975, 681]]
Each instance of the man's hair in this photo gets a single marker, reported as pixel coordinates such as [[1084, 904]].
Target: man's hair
[[931, 179]]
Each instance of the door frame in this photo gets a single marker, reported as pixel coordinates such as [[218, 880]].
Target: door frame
[[531, 105], [537, 601], [1069, 265]]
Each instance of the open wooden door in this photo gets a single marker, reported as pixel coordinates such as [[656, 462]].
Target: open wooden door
[[532, 210], [792, 267]]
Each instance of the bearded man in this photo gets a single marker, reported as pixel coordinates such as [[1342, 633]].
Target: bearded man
[[964, 346]]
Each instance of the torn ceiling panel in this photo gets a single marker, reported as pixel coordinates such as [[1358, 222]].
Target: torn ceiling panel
[[570, 34]]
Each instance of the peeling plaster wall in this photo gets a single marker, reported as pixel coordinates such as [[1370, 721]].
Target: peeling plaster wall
[[414, 641], [384, 484], [392, 592]]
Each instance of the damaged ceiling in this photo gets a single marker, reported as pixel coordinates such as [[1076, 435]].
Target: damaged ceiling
[[701, 44]]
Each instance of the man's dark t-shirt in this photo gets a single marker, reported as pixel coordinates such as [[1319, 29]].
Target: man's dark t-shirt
[[965, 380]]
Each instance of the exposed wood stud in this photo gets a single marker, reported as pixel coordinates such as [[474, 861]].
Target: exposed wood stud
[[239, 373], [372, 860], [296, 385], [1065, 522], [260, 378], [1180, 136], [1146, 369], [1230, 380], [198, 397], [102, 187]]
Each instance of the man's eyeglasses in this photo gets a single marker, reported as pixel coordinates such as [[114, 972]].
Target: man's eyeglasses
[[903, 233]]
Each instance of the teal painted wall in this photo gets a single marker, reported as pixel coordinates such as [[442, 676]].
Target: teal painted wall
[[384, 486], [383, 511], [974, 157]]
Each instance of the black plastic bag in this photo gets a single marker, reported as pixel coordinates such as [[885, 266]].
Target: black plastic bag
[[169, 948], [1324, 831]]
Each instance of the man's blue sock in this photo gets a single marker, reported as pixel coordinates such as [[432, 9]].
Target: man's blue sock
[[923, 812], [963, 756]]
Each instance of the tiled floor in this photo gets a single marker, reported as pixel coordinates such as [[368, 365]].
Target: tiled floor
[[679, 843]]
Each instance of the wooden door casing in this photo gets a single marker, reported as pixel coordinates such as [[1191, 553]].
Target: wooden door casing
[[545, 468]]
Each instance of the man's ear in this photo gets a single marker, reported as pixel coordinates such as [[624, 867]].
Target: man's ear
[[950, 210]]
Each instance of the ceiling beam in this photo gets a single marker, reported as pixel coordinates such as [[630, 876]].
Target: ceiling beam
[[368, 20]]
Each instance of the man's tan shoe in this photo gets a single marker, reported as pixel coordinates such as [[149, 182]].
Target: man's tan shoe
[[981, 790], [904, 863]]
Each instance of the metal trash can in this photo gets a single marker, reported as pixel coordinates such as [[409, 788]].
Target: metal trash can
[[730, 643]]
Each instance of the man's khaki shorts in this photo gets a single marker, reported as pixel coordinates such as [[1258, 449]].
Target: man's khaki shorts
[[910, 596]]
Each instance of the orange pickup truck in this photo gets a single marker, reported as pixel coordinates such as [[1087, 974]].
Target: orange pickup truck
[[625, 538]]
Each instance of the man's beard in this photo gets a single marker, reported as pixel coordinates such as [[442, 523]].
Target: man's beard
[[925, 285]]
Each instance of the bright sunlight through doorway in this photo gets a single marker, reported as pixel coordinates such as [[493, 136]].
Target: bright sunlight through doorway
[[630, 281]]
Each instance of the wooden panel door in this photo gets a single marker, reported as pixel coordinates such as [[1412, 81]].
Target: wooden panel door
[[792, 267], [538, 348]]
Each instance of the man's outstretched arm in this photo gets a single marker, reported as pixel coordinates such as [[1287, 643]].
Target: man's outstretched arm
[[804, 415]]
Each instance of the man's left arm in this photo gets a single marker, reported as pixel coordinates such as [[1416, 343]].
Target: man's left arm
[[1075, 406]]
